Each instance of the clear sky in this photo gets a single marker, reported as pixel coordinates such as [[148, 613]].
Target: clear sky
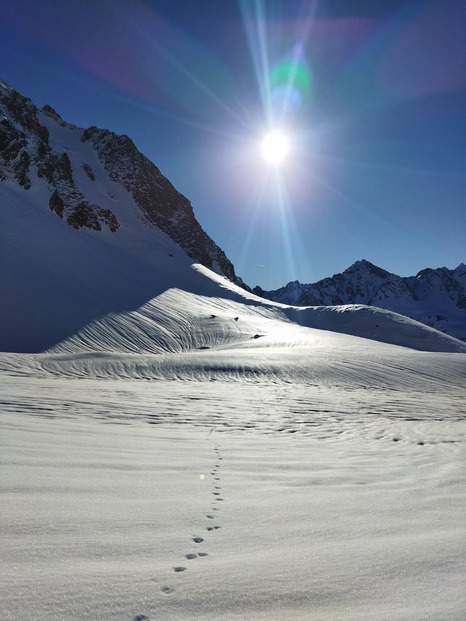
[[371, 94]]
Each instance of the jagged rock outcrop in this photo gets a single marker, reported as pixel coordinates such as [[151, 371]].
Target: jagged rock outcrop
[[26, 153], [436, 297], [161, 204]]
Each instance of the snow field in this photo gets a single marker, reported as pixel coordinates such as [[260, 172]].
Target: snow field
[[310, 503]]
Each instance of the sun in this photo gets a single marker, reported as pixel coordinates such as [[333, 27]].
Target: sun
[[275, 146]]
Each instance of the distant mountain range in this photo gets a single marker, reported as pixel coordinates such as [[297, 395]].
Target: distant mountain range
[[435, 297]]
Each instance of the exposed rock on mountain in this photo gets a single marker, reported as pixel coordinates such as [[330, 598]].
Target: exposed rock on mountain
[[436, 297], [38, 145], [161, 204], [25, 153]]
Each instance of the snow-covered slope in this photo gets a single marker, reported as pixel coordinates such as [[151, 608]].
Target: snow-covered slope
[[101, 254], [434, 297], [92, 178], [88, 226], [231, 501]]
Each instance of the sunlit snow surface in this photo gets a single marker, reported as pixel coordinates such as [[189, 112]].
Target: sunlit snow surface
[[275, 472]]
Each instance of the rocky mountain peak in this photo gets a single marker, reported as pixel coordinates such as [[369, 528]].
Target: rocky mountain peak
[[25, 155], [27, 158], [53, 114], [18, 109], [161, 204], [436, 297], [366, 267]]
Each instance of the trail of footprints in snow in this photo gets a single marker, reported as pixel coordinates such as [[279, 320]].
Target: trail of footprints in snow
[[210, 516]]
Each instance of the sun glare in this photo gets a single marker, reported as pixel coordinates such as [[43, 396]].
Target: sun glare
[[275, 147]]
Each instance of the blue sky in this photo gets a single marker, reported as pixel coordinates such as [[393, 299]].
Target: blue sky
[[372, 95]]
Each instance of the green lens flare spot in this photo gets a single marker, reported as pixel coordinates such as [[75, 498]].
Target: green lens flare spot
[[292, 74]]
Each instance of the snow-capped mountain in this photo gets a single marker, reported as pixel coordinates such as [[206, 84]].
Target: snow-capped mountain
[[39, 146], [88, 226], [436, 297]]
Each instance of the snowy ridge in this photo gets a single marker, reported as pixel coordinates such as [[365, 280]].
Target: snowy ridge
[[178, 321], [436, 298], [231, 335]]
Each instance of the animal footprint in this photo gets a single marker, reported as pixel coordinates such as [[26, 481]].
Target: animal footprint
[[179, 569], [213, 527], [167, 590], [198, 539], [190, 556]]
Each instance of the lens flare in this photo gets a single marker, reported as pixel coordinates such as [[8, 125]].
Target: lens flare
[[290, 86], [293, 74]]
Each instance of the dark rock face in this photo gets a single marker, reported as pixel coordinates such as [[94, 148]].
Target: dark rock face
[[13, 153], [57, 204], [21, 109], [49, 111], [55, 168], [11, 140], [89, 172], [25, 152], [83, 215], [161, 204], [21, 169], [87, 215]]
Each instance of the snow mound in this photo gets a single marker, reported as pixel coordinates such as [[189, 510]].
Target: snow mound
[[179, 321]]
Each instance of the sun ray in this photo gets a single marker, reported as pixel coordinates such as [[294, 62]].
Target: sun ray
[[181, 67], [254, 208], [285, 214], [155, 32], [254, 20]]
